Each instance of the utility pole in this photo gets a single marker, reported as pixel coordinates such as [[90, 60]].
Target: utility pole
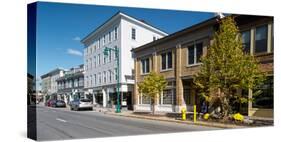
[[116, 50]]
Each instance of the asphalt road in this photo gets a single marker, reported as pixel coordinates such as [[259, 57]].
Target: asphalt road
[[62, 124]]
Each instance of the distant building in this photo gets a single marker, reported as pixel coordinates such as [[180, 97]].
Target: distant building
[[121, 32], [177, 58], [30, 89], [71, 84], [49, 85]]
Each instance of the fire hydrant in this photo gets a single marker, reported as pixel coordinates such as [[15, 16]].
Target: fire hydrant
[[183, 114]]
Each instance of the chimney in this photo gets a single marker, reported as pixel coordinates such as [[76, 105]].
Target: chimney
[[219, 14]]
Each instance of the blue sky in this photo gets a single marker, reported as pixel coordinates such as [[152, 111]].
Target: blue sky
[[60, 27]]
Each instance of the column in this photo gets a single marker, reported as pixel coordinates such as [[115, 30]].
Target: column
[[135, 92], [104, 98], [179, 85], [94, 98], [107, 96], [154, 67]]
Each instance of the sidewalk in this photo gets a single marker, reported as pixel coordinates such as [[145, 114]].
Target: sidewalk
[[128, 113]]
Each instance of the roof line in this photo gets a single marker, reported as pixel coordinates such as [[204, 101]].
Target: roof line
[[119, 12], [175, 34]]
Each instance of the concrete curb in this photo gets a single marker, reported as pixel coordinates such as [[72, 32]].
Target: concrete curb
[[198, 123]]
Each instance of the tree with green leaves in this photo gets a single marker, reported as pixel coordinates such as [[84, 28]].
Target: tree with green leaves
[[152, 85], [226, 69]]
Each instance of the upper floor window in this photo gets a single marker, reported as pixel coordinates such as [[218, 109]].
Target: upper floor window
[[99, 59], [194, 53], [109, 56], [95, 79], [261, 39], [104, 76], [133, 33], [91, 81], [109, 36], [95, 62], [166, 60], [99, 42], [246, 40], [109, 76], [99, 76], [115, 73], [115, 53], [90, 63], [115, 33], [104, 41], [145, 65], [104, 59]]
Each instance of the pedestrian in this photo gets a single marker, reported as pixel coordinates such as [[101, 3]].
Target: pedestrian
[[204, 107]]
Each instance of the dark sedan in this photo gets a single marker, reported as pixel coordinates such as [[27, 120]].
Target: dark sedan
[[60, 103]]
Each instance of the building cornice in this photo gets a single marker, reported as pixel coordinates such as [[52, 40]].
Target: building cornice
[[118, 16]]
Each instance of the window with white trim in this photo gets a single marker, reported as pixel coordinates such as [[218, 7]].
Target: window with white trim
[[133, 34], [99, 43], [166, 59], [195, 52], [145, 65], [104, 59], [115, 33], [109, 36], [104, 76], [99, 77], [95, 79], [144, 99], [261, 39], [246, 41], [109, 76], [115, 53], [98, 59], [104, 41], [115, 74], [95, 62], [91, 81]]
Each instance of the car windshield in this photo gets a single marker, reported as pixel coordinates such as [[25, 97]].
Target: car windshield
[[85, 100]]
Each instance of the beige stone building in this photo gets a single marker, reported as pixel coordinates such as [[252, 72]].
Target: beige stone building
[[177, 58]]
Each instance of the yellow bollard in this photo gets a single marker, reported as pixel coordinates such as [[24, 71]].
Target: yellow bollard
[[183, 114], [194, 113]]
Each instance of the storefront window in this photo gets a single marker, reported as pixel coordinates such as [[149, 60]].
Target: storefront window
[[143, 99], [167, 97], [265, 99]]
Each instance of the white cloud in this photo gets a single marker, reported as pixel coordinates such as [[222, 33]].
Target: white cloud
[[77, 38], [74, 52]]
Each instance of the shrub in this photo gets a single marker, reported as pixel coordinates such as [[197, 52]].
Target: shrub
[[238, 117], [206, 116]]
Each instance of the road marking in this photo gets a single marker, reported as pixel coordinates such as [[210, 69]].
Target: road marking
[[61, 120]]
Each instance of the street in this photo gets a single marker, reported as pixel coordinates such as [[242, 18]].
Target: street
[[61, 124]]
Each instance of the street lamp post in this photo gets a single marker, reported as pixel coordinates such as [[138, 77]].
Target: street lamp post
[[105, 52]]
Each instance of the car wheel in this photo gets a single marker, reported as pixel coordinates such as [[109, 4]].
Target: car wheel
[[77, 108]]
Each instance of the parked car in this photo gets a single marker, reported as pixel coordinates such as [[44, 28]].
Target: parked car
[[81, 104], [59, 103], [50, 102]]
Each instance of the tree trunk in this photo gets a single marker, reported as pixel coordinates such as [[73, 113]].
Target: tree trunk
[[152, 107], [225, 109]]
